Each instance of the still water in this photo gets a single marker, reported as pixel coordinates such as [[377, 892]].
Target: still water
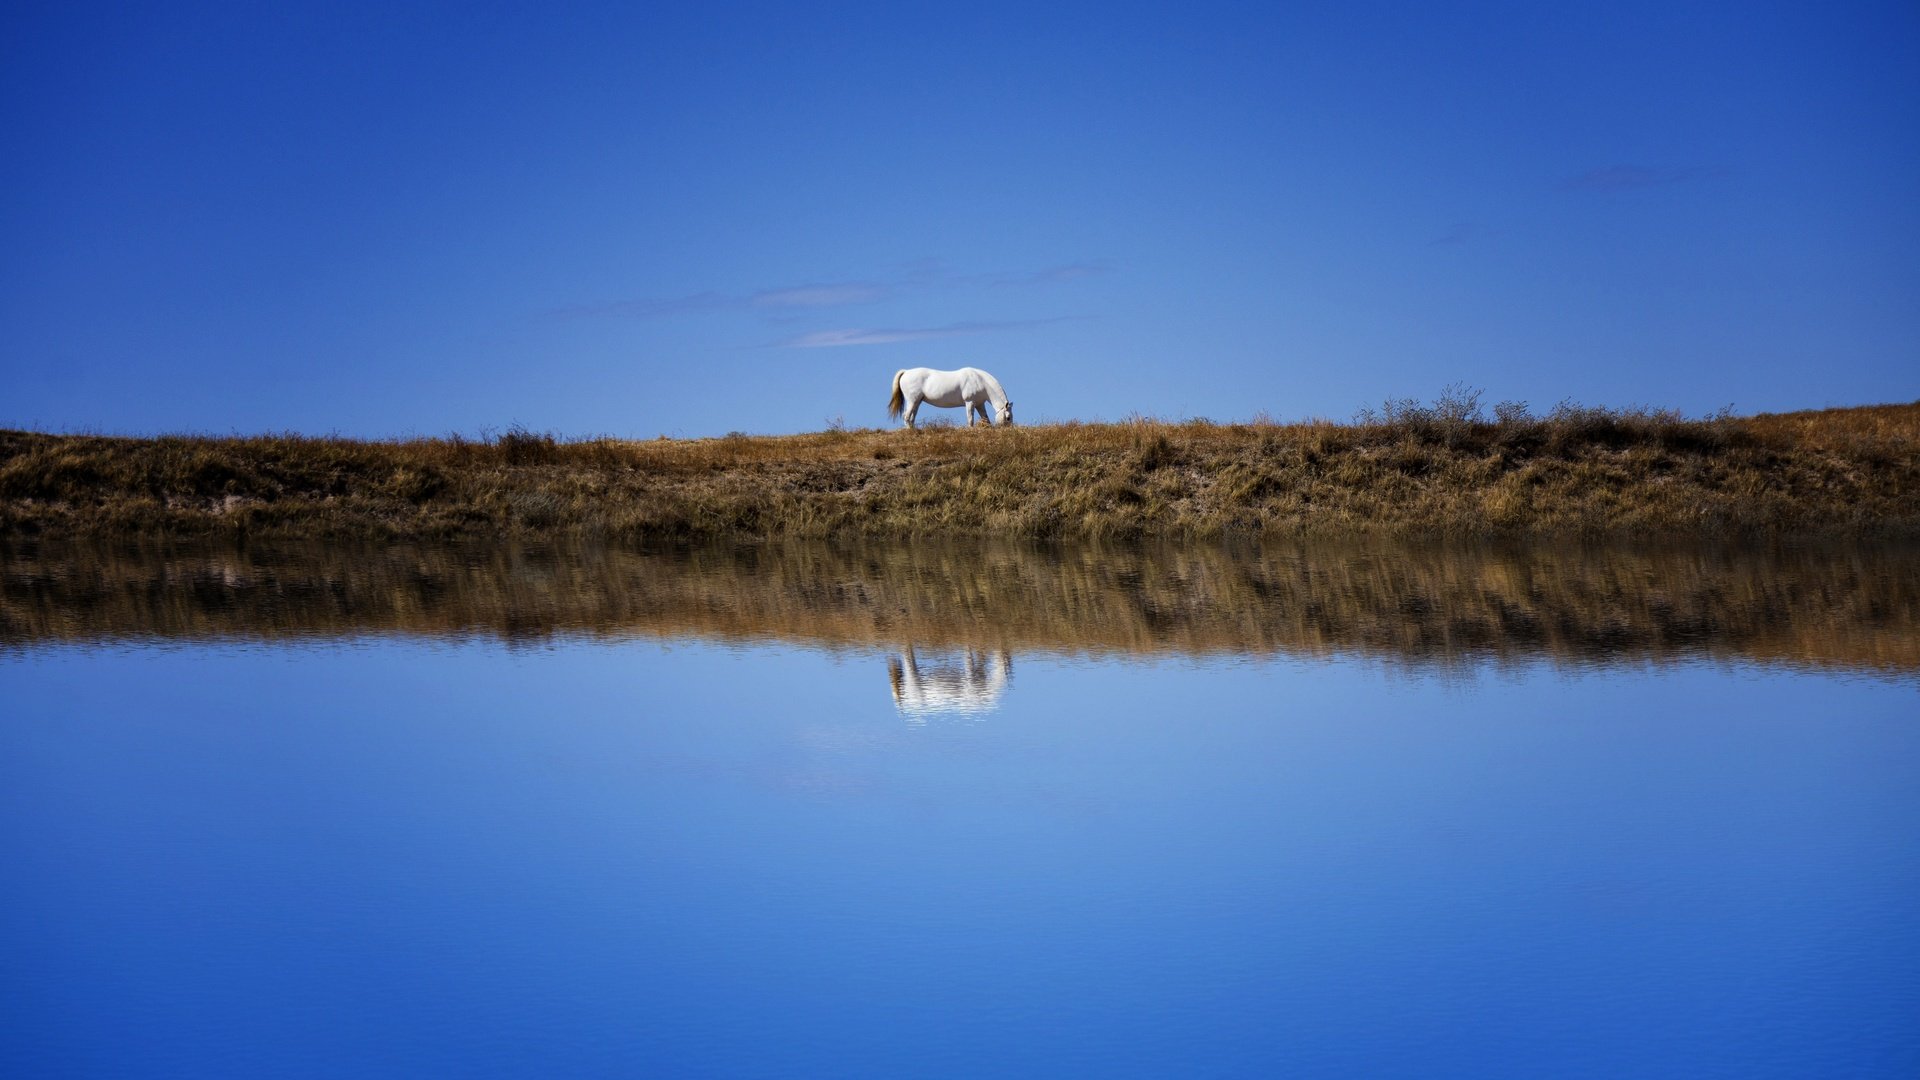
[[959, 811]]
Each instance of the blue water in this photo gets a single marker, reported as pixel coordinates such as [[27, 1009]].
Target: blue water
[[409, 857]]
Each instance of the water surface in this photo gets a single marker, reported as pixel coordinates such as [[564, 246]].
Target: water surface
[[937, 810]]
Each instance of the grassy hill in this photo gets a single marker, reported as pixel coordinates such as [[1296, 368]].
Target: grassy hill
[[1409, 469]]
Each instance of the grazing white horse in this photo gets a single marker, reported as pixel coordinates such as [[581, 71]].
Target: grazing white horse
[[968, 387]]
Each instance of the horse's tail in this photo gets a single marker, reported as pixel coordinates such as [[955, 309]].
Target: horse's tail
[[898, 402]]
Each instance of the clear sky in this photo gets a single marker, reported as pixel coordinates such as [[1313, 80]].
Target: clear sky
[[644, 218]]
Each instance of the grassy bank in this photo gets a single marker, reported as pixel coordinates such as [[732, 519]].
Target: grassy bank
[[1407, 469]]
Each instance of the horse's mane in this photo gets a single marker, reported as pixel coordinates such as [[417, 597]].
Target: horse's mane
[[994, 389]]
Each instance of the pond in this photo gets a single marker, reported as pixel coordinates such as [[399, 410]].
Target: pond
[[959, 810]]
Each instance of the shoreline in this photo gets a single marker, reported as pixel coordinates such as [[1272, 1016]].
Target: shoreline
[[1577, 473]]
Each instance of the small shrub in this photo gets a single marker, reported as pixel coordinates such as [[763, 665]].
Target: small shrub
[[522, 447], [1509, 413], [1449, 420], [1458, 404]]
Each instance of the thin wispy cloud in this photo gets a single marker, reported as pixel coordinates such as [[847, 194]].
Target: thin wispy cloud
[[1465, 232], [921, 275], [1073, 272], [932, 273], [831, 339], [647, 308], [1051, 275], [1628, 177], [837, 295]]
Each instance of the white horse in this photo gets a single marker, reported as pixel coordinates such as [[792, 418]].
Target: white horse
[[968, 387]]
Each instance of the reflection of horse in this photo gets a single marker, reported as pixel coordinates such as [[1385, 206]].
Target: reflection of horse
[[969, 387], [966, 685]]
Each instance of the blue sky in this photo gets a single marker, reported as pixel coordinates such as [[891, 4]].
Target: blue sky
[[642, 219]]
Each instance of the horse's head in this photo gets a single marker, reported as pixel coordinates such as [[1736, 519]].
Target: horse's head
[[1006, 413]]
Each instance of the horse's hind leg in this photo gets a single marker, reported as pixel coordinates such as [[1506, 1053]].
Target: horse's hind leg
[[913, 410]]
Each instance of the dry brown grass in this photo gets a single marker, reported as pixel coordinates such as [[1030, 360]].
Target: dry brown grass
[[1409, 470]]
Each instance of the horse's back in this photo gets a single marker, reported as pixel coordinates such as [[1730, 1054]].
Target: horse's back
[[940, 386], [971, 381]]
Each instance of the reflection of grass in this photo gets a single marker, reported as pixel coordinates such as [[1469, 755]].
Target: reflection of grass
[[1848, 605], [1408, 468]]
